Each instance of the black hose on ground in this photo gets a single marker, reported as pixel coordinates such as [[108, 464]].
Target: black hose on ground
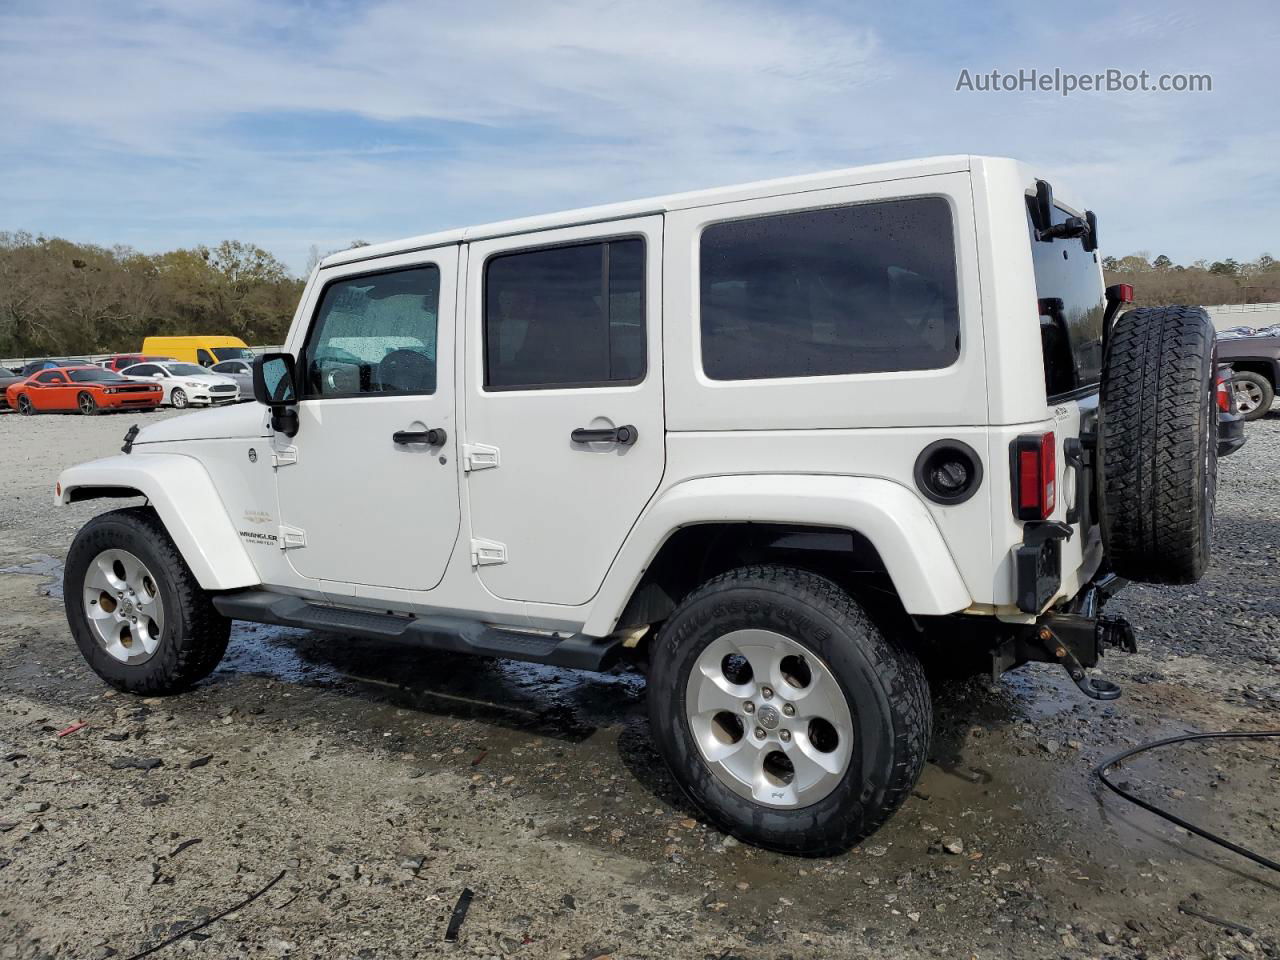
[[1101, 772]]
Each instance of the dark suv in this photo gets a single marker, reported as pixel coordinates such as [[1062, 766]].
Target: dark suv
[[1255, 358]]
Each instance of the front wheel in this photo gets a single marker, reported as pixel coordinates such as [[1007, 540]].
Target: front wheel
[[179, 398], [88, 406], [784, 713], [138, 615], [1252, 394], [24, 406]]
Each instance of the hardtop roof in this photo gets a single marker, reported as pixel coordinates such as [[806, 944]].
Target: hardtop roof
[[849, 176]]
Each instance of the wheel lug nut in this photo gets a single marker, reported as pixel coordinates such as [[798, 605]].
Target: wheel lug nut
[[784, 736], [748, 707], [760, 733], [788, 710], [766, 692]]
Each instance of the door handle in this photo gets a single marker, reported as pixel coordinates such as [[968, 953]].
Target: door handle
[[432, 438], [625, 435]]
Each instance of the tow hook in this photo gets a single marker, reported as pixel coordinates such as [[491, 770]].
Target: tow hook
[[1077, 641], [1059, 652]]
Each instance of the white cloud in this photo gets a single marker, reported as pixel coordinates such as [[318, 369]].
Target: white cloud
[[128, 123]]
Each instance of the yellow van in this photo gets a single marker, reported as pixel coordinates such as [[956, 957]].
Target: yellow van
[[205, 351]]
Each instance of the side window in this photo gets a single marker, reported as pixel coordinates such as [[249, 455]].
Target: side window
[[49, 376], [374, 334], [865, 288], [204, 357], [144, 370], [565, 317]]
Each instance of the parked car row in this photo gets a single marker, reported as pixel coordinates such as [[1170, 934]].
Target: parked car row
[[71, 386], [175, 371]]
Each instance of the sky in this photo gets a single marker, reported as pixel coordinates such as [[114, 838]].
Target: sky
[[291, 124]]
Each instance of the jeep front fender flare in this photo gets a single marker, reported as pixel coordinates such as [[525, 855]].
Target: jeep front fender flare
[[889, 515], [181, 492]]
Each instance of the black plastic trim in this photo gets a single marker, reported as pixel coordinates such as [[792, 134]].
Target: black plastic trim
[[451, 634]]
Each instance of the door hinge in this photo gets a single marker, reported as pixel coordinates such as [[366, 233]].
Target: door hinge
[[484, 553], [479, 456], [284, 456], [292, 537]]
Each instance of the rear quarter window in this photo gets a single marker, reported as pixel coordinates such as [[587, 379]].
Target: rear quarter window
[[1072, 303], [865, 288]]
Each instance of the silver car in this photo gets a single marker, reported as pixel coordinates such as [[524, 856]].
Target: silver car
[[241, 371]]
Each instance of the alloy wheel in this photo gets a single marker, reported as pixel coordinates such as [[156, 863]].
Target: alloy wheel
[[769, 718], [123, 606], [1247, 396]]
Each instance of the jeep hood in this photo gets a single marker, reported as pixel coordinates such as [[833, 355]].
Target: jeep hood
[[222, 423]]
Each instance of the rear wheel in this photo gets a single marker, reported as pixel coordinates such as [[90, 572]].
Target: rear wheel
[[88, 406], [136, 611], [24, 405], [1157, 444], [1252, 394], [179, 398], [784, 713]]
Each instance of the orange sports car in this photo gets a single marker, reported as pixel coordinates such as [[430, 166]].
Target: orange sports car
[[86, 389]]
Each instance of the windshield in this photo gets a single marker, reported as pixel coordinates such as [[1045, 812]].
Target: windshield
[[1072, 305], [95, 376], [233, 353], [186, 370]]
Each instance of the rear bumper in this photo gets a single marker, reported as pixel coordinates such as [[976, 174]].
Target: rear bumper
[[1230, 433]]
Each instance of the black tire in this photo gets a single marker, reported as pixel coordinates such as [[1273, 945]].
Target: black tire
[[195, 635], [1157, 445], [24, 406], [1261, 385], [86, 404], [884, 686], [178, 398]]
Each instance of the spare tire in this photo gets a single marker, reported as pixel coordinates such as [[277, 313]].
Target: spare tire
[[1157, 444]]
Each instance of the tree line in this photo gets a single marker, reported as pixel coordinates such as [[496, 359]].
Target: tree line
[[1203, 283], [59, 298]]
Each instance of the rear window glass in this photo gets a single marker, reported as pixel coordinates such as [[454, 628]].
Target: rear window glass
[[1072, 305], [865, 288], [569, 316]]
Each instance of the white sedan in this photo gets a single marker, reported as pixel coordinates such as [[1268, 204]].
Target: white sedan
[[186, 383]]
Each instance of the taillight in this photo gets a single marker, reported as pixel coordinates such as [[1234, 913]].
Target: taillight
[[1224, 393], [1035, 476]]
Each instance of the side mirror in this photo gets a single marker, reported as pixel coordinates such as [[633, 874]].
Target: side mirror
[[157, 376], [275, 384]]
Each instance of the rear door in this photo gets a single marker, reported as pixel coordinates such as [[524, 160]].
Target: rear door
[[1072, 304], [564, 417]]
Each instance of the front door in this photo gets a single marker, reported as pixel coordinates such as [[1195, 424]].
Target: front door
[[368, 493], [564, 422]]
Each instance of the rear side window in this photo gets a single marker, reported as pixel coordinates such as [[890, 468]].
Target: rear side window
[[865, 288], [565, 317], [1072, 304], [50, 377], [374, 334], [143, 370]]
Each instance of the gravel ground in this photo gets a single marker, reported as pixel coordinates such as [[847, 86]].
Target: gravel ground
[[380, 784]]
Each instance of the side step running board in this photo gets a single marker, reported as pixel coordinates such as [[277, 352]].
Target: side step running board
[[453, 634]]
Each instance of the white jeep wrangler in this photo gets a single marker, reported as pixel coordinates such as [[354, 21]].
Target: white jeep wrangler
[[777, 442]]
